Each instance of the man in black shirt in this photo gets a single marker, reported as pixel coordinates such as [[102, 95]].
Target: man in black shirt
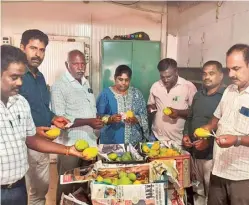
[[204, 104]]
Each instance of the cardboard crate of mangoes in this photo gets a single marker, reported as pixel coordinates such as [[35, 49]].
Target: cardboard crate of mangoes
[[158, 151], [155, 150], [120, 154], [124, 175]]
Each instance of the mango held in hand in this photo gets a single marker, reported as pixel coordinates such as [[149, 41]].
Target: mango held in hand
[[53, 133], [80, 145], [90, 153], [202, 133], [105, 119], [129, 114], [167, 111]]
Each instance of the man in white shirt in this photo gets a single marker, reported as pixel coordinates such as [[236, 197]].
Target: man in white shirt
[[230, 175], [17, 130], [72, 97], [174, 92]]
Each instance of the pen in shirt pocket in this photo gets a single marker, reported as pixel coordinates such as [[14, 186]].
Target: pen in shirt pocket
[[19, 118], [11, 124]]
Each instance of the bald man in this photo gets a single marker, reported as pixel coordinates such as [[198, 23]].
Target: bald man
[[72, 97]]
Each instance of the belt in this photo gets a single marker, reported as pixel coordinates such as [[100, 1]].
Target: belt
[[13, 185]]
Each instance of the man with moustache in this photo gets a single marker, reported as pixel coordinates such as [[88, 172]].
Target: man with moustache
[[34, 90], [229, 181], [73, 98], [201, 111], [18, 130], [174, 92]]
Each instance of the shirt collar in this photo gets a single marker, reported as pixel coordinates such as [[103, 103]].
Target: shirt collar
[[220, 90], [178, 82], [235, 87], [28, 71], [12, 100], [72, 79]]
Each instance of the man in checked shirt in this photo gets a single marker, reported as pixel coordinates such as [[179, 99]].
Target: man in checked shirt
[[229, 181], [17, 130]]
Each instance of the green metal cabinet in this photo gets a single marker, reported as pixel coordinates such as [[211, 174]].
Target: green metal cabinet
[[141, 56]]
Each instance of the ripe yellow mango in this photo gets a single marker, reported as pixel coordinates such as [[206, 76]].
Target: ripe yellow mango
[[137, 182], [156, 145], [153, 153], [167, 111], [53, 133], [99, 178], [129, 114], [105, 119], [145, 148], [202, 133], [90, 153]]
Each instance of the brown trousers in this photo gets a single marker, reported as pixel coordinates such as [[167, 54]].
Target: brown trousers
[[227, 192]]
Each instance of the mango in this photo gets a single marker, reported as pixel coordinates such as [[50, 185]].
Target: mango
[[80, 145], [126, 156], [132, 176], [145, 148], [112, 156], [202, 133], [99, 178], [53, 133], [167, 111], [129, 114], [137, 182], [153, 153], [118, 159], [90, 153], [163, 150], [105, 119], [122, 174], [115, 181], [156, 145], [107, 181], [124, 181]]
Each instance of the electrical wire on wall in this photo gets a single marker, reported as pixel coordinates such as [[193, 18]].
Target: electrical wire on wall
[[218, 5]]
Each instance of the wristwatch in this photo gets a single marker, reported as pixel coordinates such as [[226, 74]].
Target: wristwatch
[[238, 142]]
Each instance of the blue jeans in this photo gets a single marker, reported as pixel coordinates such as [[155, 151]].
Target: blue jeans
[[14, 196]]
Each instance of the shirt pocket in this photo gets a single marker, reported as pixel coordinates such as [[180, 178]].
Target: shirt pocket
[[242, 124]]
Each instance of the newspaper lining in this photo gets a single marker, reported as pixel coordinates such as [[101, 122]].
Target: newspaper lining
[[154, 194]]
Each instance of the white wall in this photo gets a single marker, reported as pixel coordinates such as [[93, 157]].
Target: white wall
[[202, 37], [94, 20]]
